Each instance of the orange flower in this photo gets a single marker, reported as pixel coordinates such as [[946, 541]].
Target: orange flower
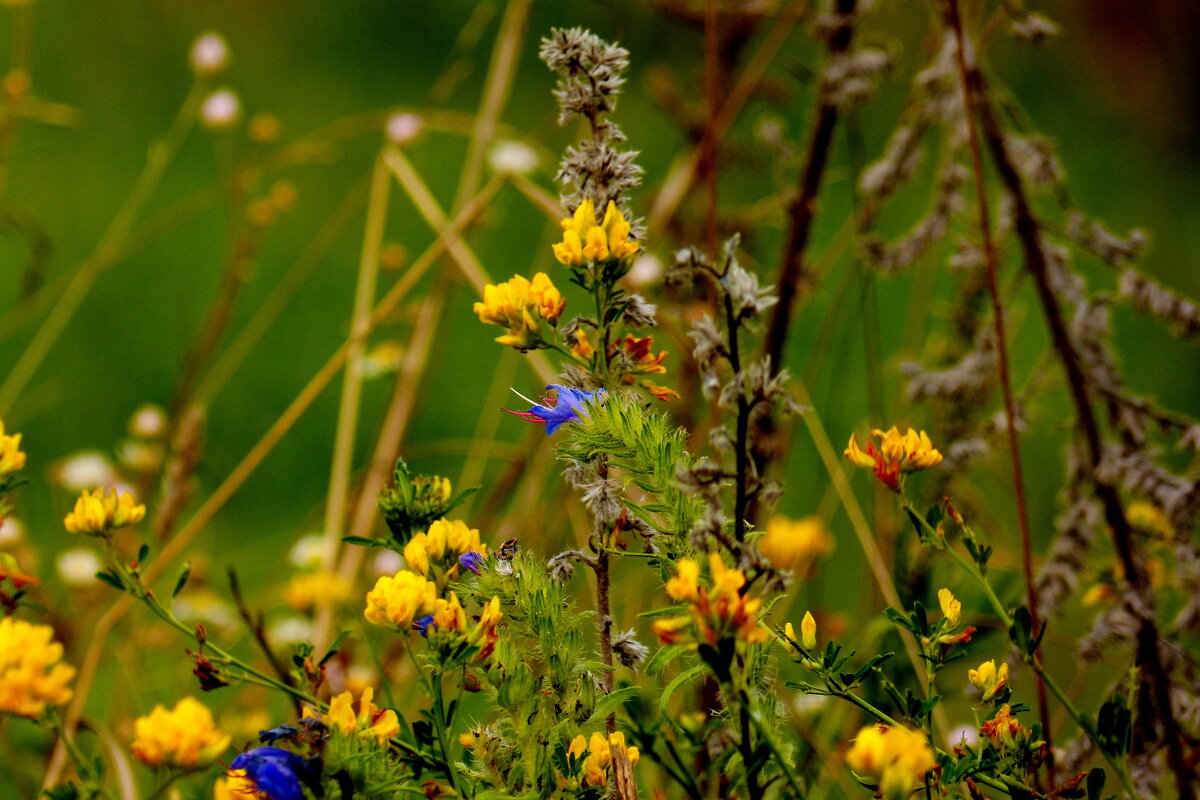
[[896, 454]]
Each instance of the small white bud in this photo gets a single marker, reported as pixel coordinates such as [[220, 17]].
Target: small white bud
[[221, 109], [386, 562], [512, 158], [308, 552], [209, 55], [290, 630], [11, 532], [85, 470], [78, 567], [148, 422], [647, 270], [403, 129]]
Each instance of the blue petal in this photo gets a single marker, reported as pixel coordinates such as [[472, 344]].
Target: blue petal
[[277, 782], [471, 561], [423, 624]]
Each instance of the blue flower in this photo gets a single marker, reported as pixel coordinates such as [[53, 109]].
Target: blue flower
[[554, 413], [423, 624], [471, 561], [275, 772]]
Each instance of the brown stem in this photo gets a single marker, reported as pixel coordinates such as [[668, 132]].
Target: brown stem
[[803, 208], [1147, 656], [255, 626], [989, 249], [708, 146], [604, 608]]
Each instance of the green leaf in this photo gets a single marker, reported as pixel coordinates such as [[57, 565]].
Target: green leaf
[[1095, 783], [611, 702], [664, 656], [675, 685], [333, 648], [183, 579], [112, 579]]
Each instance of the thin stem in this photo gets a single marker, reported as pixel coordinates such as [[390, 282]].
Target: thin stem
[[1010, 414], [766, 736]]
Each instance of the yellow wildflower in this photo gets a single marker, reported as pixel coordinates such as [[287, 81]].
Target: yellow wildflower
[[398, 600], [236, 785], [718, 611], [1142, 515], [580, 345], [11, 457], [951, 608], [895, 758], [897, 453], [793, 544], [584, 239], [304, 591], [31, 673], [988, 679], [184, 737], [381, 723], [808, 632], [686, 583], [599, 755], [98, 512], [440, 546], [521, 306]]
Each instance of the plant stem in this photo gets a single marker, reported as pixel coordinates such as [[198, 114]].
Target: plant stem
[[1010, 415]]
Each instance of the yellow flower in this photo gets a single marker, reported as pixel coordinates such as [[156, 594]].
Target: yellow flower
[[11, 457], [896, 758], [580, 345], [808, 632], [31, 675], [897, 453], [236, 785], [441, 546], [398, 600], [793, 544], [98, 512], [584, 239], [951, 608], [599, 755], [183, 737], [383, 724], [988, 679], [686, 583], [718, 611], [521, 306], [304, 590], [1142, 515]]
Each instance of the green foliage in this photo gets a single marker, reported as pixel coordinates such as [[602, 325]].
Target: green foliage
[[649, 449]]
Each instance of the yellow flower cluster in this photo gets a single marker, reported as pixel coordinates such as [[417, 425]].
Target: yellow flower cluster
[[600, 754], [988, 679], [448, 625], [440, 547], [522, 306], [184, 737], [398, 600], [99, 512], [304, 590], [31, 673], [719, 611], [897, 453], [370, 719], [583, 239], [794, 544], [895, 758], [11, 457], [1006, 732]]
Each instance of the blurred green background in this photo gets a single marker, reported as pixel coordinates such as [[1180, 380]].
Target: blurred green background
[[1116, 93]]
